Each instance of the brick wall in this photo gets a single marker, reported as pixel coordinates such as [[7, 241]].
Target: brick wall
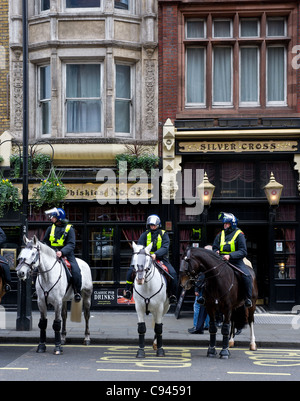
[[168, 62], [4, 66]]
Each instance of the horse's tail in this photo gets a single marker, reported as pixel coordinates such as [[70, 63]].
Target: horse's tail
[[239, 317]]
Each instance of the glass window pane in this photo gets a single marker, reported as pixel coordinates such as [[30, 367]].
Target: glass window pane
[[123, 81], [45, 5], [222, 81], [249, 28], [195, 29], [82, 3], [276, 74], [46, 118], [222, 29], [195, 75], [276, 27], [83, 80], [83, 116], [45, 82], [122, 111], [122, 4], [249, 74]]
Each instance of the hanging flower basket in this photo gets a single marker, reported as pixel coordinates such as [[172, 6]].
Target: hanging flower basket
[[9, 196], [51, 191]]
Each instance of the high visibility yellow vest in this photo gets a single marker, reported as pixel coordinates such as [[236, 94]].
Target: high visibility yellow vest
[[231, 242], [61, 240], [159, 239]]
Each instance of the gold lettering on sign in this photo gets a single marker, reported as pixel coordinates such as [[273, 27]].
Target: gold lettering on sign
[[238, 146]]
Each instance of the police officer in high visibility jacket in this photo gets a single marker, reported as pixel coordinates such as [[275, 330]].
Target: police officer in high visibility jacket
[[231, 244], [60, 236], [160, 249]]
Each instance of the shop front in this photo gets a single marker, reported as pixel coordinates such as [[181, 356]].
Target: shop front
[[240, 170]]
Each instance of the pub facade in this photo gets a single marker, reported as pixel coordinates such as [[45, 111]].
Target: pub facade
[[229, 106]]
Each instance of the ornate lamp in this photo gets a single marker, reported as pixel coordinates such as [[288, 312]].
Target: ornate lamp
[[273, 191], [206, 190]]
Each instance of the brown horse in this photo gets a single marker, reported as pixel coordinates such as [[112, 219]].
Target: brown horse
[[223, 293]]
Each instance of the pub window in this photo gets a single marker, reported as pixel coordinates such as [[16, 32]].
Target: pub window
[[101, 250], [252, 50], [285, 253], [83, 98], [237, 180], [45, 99]]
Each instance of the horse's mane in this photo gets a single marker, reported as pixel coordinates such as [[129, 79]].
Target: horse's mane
[[207, 251]]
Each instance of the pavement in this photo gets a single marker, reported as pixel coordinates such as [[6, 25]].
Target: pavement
[[120, 327]]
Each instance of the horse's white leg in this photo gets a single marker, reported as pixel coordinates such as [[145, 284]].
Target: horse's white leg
[[42, 326], [253, 346], [57, 327], [231, 337], [86, 312], [64, 313], [158, 330]]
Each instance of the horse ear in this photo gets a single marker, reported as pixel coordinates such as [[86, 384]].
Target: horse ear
[[149, 247], [25, 239], [134, 245], [35, 239]]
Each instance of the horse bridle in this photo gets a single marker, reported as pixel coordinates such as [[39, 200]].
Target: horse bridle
[[148, 269]]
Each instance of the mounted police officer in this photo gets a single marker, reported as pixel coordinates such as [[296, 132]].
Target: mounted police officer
[[160, 249], [231, 244], [4, 264], [60, 236]]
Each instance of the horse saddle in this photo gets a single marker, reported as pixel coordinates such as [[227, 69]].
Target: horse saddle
[[162, 267]]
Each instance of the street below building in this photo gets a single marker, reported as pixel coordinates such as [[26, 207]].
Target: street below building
[[176, 373]]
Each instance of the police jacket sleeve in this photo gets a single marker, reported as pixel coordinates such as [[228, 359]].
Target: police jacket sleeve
[[164, 249], [70, 242], [241, 248], [2, 237]]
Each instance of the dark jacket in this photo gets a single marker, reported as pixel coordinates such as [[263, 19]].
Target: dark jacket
[[163, 252], [69, 242], [236, 257], [2, 237]]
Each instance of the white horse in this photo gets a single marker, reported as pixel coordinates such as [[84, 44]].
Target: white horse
[[150, 295], [53, 287]]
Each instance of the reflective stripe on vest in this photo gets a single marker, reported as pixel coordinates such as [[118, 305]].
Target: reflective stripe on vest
[[159, 239], [231, 242], [61, 240]]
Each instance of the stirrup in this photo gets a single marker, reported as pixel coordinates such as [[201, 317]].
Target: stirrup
[[172, 299], [201, 301], [77, 297], [248, 303], [127, 294], [7, 287]]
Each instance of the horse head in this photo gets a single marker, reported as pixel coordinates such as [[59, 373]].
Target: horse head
[[141, 260], [28, 258]]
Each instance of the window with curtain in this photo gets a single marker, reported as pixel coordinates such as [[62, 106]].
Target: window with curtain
[[237, 62], [195, 76], [249, 76], [45, 98], [123, 99], [83, 98], [122, 4], [276, 82], [222, 76], [82, 3]]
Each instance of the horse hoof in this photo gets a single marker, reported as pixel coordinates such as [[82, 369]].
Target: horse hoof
[[87, 342], [231, 344], [253, 347], [160, 352], [211, 352], [58, 350], [224, 354], [140, 353], [63, 341], [41, 348]]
